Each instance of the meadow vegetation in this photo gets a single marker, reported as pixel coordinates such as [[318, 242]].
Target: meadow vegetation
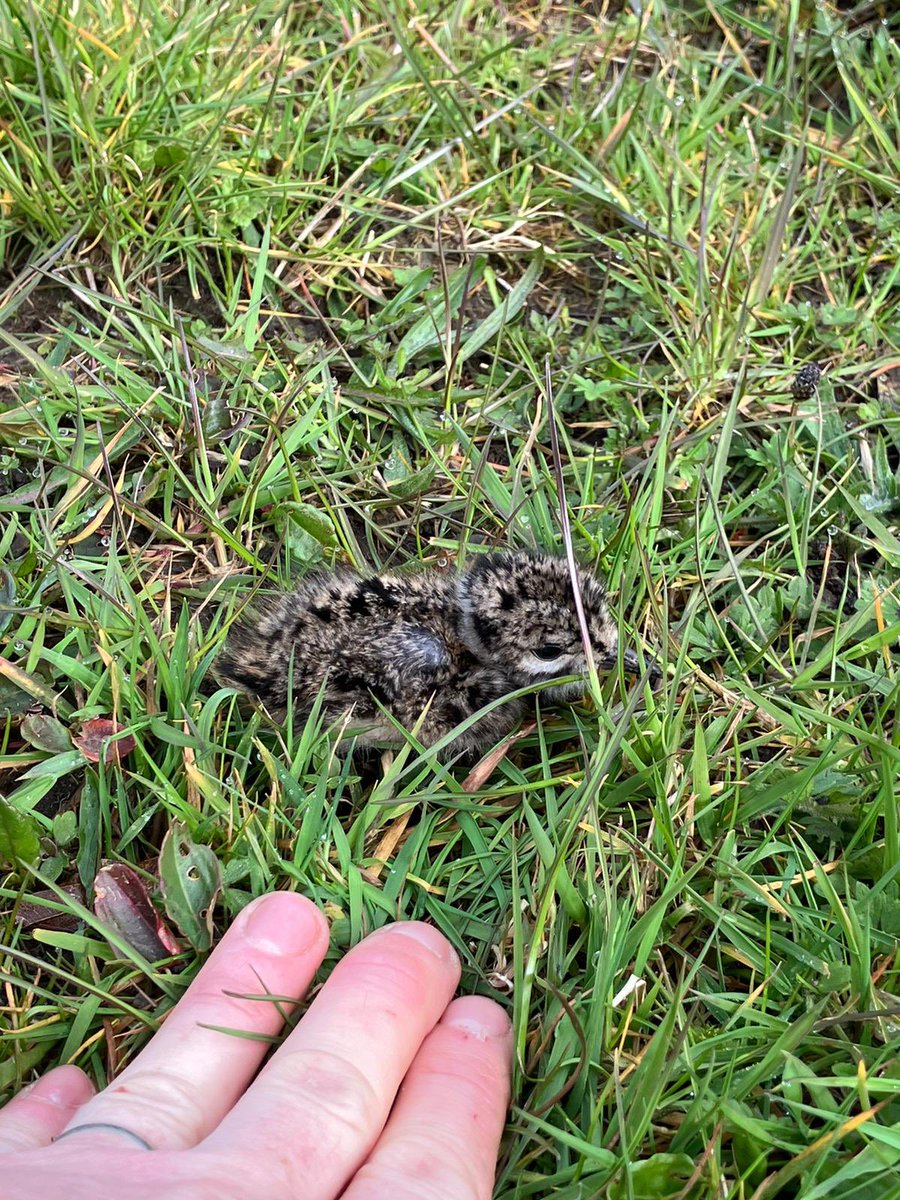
[[286, 285]]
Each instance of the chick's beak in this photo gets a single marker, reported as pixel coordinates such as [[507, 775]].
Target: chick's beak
[[632, 664]]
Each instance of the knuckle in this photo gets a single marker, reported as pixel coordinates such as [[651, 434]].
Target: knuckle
[[337, 1091], [160, 1105], [418, 1170], [380, 981], [466, 1069]]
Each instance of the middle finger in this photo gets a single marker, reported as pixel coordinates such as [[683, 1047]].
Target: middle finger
[[318, 1107]]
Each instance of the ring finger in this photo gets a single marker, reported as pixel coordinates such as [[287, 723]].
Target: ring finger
[[445, 1127]]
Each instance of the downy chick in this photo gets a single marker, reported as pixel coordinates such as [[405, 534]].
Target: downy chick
[[432, 648]]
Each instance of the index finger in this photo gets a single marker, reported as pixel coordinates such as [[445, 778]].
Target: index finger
[[195, 1067]]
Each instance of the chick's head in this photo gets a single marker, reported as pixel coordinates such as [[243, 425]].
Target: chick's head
[[518, 612]]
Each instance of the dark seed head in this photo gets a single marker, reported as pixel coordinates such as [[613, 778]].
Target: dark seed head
[[806, 381]]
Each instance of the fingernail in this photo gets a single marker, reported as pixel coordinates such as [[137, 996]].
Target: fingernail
[[57, 1096], [282, 923], [479, 1017], [425, 935]]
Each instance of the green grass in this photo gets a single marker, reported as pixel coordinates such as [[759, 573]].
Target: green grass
[[279, 287]]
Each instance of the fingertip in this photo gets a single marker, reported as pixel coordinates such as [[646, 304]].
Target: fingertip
[[283, 923], [65, 1087], [39, 1112], [478, 1017], [426, 935]]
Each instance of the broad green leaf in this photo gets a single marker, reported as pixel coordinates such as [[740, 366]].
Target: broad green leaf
[[45, 733], [882, 1161], [90, 831], [19, 835], [191, 878], [310, 520], [884, 539], [65, 826], [12, 699], [16, 1069], [226, 350], [515, 299], [660, 1177], [33, 686], [430, 328]]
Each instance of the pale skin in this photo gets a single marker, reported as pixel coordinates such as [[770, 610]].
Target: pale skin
[[387, 1086]]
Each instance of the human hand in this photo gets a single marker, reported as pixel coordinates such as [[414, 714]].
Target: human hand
[[318, 1121]]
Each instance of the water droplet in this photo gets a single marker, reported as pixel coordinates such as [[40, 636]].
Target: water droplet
[[678, 101]]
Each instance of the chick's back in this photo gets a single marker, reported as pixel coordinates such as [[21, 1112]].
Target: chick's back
[[388, 638]]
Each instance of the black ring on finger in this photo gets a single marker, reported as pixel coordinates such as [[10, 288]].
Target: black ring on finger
[[109, 1128]]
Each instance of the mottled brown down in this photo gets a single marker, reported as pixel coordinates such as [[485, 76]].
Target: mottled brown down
[[431, 648]]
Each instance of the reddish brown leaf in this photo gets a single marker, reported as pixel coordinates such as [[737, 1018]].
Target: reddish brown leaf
[[31, 914], [484, 769], [94, 735], [122, 901]]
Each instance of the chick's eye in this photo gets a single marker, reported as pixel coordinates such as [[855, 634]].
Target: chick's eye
[[548, 653]]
